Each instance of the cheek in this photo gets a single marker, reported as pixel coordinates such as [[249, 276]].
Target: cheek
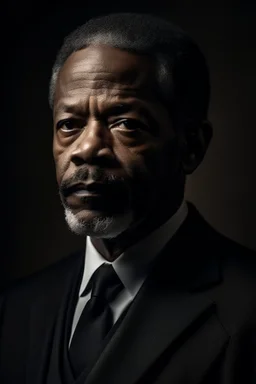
[[61, 162], [138, 151], [156, 168], [145, 165], [151, 160], [58, 172]]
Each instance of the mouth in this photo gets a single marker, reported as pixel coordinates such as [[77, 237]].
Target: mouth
[[84, 193], [84, 190], [104, 197]]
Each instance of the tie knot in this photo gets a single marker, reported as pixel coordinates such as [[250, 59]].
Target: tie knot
[[104, 283]]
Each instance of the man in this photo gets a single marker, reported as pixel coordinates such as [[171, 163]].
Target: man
[[157, 296]]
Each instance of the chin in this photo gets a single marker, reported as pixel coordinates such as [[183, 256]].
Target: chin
[[90, 223]]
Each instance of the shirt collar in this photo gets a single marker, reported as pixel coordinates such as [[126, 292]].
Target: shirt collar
[[133, 264]]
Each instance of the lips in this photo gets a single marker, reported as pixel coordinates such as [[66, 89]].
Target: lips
[[82, 189], [86, 196], [111, 198]]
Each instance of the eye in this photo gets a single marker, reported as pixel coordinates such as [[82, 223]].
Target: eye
[[68, 125], [129, 125]]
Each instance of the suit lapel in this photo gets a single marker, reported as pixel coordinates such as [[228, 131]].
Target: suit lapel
[[157, 321], [146, 334], [43, 317], [170, 307]]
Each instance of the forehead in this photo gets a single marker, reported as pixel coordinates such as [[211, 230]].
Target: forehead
[[101, 68]]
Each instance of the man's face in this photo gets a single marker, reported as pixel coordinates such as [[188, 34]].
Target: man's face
[[114, 145]]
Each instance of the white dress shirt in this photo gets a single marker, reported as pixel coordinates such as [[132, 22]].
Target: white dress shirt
[[131, 266]]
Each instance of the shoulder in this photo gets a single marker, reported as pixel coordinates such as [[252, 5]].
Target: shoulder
[[43, 281], [235, 294], [236, 263], [209, 238]]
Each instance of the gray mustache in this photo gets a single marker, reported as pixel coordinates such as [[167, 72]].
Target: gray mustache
[[97, 175]]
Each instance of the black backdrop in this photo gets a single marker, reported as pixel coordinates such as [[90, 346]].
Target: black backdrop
[[34, 233]]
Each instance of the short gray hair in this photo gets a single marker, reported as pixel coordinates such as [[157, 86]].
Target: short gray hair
[[182, 72]]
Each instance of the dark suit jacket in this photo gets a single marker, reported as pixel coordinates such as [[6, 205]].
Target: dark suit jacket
[[193, 321]]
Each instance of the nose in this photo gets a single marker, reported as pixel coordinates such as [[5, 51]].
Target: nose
[[93, 145]]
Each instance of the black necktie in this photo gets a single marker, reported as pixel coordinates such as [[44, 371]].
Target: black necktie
[[96, 319]]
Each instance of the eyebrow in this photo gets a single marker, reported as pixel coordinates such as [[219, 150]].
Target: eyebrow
[[115, 109], [119, 109]]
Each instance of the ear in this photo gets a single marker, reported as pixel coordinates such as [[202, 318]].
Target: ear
[[196, 139]]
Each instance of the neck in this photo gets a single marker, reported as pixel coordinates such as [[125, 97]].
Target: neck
[[111, 249]]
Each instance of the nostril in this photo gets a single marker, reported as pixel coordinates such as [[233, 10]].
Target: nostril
[[77, 160], [105, 152]]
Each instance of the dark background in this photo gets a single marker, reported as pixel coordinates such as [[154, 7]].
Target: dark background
[[34, 233]]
